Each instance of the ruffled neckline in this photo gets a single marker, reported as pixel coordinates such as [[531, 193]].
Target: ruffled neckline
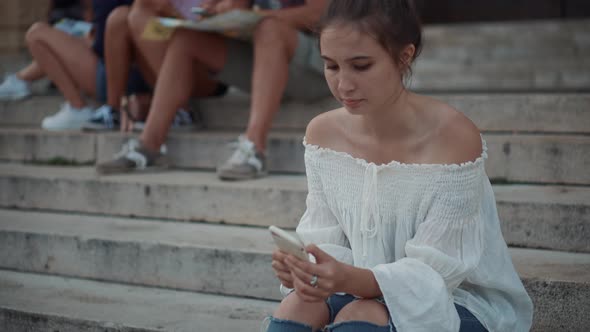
[[396, 164]]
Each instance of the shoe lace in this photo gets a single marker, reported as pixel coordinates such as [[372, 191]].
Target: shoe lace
[[244, 150], [104, 115], [129, 151], [129, 146]]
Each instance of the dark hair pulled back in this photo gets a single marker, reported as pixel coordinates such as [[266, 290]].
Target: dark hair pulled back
[[393, 23]]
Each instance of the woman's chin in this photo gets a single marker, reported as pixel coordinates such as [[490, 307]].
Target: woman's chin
[[356, 110]]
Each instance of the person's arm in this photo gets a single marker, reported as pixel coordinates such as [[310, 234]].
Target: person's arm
[[318, 225], [303, 17]]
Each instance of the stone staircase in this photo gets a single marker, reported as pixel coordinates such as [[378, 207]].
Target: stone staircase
[[181, 251]]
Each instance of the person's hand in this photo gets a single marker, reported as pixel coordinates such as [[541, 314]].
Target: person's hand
[[328, 273], [222, 6], [209, 5], [281, 270]]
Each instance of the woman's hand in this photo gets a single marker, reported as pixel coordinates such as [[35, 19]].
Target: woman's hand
[[330, 275], [282, 271]]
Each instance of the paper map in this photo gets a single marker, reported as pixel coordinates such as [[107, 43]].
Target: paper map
[[236, 24]]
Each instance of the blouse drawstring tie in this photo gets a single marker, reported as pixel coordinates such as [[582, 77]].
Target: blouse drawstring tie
[[370, 208]]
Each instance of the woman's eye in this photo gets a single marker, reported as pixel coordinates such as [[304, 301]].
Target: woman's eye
[[331, 67], [362, 67]]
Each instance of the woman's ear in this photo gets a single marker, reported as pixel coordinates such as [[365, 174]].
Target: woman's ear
[[407, 55]]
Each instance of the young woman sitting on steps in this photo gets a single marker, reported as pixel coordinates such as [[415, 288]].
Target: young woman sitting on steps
[[401, 216]]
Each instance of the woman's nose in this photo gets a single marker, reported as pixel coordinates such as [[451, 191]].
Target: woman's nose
[[345, 83]]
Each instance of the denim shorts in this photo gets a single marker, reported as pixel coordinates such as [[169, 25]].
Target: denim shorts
[[135, 82], [336, 302]]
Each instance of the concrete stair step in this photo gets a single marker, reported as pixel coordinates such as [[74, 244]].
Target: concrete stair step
[[30, 302], [522, 158], [510, 38], [513, 112], [499, 79], [552, 217], [230, 260], [553, 40]]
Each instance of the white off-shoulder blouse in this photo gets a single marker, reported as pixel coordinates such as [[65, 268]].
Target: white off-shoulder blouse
[[430, 234]]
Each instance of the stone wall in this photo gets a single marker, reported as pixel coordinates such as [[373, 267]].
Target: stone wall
[[15, 18]]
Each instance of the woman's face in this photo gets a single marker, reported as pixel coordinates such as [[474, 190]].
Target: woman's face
[[361, 74]]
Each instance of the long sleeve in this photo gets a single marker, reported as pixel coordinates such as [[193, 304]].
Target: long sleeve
[[445, 249], [318, 225]]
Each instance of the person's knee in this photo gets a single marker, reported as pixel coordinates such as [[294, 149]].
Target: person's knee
[[275, 34], [295, 309], [142, 11], [118, 18], [36, 32], [364, 310], [269, 30]]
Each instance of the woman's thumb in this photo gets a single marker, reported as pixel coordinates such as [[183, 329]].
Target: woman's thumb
[[319, 254]]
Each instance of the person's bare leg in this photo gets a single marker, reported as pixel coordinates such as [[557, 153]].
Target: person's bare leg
[[150, 52], [364, 310], [185, 72], [293, 308], [118, 54], [31, 73], [274, 45], [67, 61]]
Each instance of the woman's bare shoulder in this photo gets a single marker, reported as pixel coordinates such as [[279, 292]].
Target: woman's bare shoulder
[[457, 139], [324, 129]]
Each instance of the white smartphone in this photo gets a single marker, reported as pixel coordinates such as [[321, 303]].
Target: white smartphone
[[288, 243]]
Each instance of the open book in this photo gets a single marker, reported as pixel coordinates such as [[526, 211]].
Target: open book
[[235, 24]]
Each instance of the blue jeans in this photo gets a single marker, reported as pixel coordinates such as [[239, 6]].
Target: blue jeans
[[336, 302]]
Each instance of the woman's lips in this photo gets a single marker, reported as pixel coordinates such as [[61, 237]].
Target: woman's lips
[[351, 102]]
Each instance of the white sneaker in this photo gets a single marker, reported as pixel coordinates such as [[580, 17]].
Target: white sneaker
[[245, 163], [13, 88], [67, 118]]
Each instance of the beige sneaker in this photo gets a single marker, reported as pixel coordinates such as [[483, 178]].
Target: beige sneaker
[[244, 164], [133, 157]]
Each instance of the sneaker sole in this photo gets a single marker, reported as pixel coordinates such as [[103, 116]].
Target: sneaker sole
[[115, 171], [71, 127]]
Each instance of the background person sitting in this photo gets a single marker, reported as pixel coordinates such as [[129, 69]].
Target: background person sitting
[[18, 86], [282, 59]]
